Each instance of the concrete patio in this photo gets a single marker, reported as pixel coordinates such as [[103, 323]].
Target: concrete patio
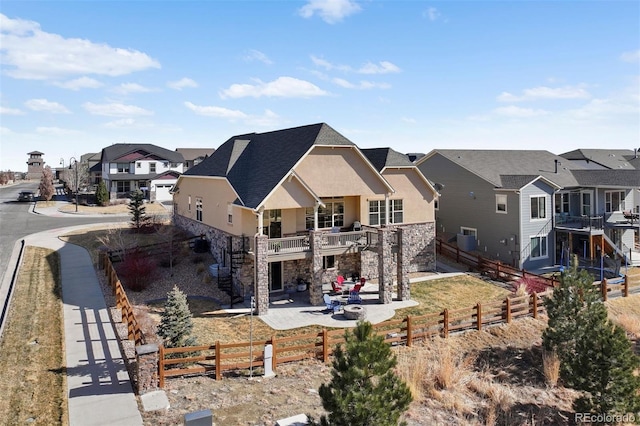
[[292, 310]]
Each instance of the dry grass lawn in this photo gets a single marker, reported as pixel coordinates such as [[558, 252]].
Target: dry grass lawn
[[151, 209], [33, 382]]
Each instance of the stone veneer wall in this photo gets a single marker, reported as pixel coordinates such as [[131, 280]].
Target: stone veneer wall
[[146, 368], [218, 241], [419, 246], [262, 274]]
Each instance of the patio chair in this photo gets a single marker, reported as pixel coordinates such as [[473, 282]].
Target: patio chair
[[337, 288], [332, 305], [354, 296], [340, 280], [363, 281]]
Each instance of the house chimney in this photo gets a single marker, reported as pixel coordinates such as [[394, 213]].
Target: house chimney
[[558, 163]]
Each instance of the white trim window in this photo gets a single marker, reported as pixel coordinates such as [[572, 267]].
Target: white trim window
[[230, 213], [377, 212], [501, 203], [152, 167], [330, 216], [199, 209], [538, 207], [562, 202], [469, 231], [122, 167], [539, 247], [397, 211], [614, 201]]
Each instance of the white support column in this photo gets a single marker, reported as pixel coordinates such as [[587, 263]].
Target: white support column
[[315, 216], [260, 220], [386, 209]]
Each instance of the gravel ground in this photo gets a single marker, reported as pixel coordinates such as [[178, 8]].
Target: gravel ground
[[238, 400]]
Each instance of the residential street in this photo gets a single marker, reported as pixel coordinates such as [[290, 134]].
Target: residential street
[[18, 220]]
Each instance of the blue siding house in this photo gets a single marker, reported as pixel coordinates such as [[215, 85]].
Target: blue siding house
[[532, 209]]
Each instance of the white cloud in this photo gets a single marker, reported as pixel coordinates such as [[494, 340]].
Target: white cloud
[[543, 92], [126, 88], [30, 53], [79, 83], [432, 14], [517, 112], [633, 56], [10, 111], [5, 130], [256, 55], [182, 83], [55, 131], [217, 112], [115, 109], [46, 106], [121, 123], [408, 120], [267, 119], [384, 67], [283, 87], [328, 65], [331, 11], [362, 85]]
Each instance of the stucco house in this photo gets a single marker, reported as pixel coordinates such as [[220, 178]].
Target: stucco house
[[531, 209], [152, 169], [307, 204]]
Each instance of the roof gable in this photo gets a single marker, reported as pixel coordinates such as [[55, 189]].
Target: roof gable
[[255, 163], [133, 152]]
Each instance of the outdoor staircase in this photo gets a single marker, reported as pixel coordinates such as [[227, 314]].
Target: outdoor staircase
[[225, 281]]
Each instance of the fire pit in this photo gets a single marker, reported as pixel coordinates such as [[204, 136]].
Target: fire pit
[[355, 312]]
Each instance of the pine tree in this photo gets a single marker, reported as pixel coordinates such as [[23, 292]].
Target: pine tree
[[364, 390], [46, 187], [102, 196], [137, 210], [176, 321], [595, 355]]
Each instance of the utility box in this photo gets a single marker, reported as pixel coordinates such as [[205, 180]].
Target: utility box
[[466, 242], [199, 418], [216, 269]]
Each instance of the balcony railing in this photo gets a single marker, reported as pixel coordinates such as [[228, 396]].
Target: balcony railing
[[584, 222], [289, 244]]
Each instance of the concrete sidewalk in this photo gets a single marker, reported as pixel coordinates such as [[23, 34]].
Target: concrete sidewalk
[[99, 391]]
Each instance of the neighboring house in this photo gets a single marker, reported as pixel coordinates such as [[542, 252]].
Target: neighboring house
[[35, 165], [531, 209], [149, 168], [91, 161], [307, 204], [193, 156]]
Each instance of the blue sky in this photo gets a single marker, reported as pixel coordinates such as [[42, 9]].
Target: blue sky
[[412, 75]]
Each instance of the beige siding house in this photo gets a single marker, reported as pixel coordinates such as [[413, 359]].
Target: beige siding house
[[305, 205]]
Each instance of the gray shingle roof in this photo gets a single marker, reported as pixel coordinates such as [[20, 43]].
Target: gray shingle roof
[[516, 181], [386, 157], [491, 165], [609, 158], [193, 153], [608, 178], [255, 163], [118, 150]]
